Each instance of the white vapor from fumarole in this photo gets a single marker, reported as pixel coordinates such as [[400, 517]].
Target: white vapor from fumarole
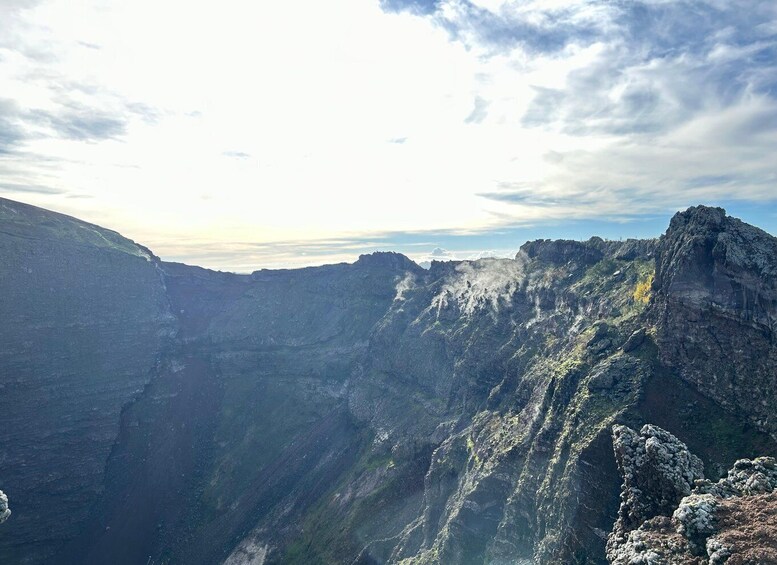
[[406, 284], [479, 285]]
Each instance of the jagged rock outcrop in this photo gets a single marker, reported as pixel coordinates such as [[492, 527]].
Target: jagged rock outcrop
[[715, 309], [561, 251], [746, 478], [658, 471], [5, 512], [709, 525]]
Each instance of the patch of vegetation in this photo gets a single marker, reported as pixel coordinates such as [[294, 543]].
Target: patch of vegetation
[[472, 451], [379, 462], [642, 290], [598, 278]]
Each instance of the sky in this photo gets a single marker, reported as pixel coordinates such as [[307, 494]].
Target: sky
[[241, 135]]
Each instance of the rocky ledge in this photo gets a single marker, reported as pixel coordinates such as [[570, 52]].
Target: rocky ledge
[[670, 514]]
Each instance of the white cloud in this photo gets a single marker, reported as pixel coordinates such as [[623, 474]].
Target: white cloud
[[277, 122], [487, 284], [440, 252]]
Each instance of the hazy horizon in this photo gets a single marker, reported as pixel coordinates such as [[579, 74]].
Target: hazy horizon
[[312, 254], [292, 134]]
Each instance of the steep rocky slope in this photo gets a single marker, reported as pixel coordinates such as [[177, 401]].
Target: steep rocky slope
[[379, 412], [246, 423], [83, 318]]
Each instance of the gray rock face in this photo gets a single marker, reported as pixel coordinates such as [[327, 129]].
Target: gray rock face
[[247, 425], [711, 261], [635, 340], [82, 321], [716, 310]]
